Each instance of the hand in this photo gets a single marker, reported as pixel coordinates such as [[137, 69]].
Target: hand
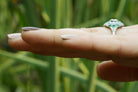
[[119, 52]]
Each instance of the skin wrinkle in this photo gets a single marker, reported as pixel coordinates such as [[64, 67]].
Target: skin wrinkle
[[116, 51], [92, 47], [124, 45], [93, 30], [54, 38], [119, 50]]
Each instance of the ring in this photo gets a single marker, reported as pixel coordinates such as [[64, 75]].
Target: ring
[[113, 24]]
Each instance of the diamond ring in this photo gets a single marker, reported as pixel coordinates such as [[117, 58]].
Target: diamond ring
[[113, 24]]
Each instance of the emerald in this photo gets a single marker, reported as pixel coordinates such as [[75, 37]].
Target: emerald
[[113, 26], [117, 25], [109, 26]]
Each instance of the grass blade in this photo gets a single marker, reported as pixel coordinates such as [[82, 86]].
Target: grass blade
[[104, 87], [25, 59], [91, 83], [121, 9]]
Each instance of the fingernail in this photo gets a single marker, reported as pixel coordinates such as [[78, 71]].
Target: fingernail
[[14, 35], [30, 28], [68, 36]]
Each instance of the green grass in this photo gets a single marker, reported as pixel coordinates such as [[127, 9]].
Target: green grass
[[27, 72]]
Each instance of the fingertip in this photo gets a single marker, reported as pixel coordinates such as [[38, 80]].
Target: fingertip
[[102, 70], [16, 42]]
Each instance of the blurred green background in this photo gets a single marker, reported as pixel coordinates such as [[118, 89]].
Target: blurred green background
[[28, 72]]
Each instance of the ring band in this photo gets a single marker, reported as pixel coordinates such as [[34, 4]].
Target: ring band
[[113, 24]]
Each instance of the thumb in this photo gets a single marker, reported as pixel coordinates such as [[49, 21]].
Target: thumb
[[110, 71]]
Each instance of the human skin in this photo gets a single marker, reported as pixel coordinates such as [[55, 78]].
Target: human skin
[[119, 53]]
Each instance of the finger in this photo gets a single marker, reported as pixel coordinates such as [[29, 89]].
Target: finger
[[110, 71], [16, 42], [129, 30], [53, 36], [123, 46], [130, 62], [45, 38], [86, 40]]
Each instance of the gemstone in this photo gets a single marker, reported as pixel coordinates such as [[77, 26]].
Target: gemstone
[[114, 26], [109, 26], [117, 25]]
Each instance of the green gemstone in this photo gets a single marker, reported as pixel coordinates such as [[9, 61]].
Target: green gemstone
[[114, 26], [109, 26], [117, 25]]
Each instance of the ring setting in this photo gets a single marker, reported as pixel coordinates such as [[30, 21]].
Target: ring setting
[[113, 24]]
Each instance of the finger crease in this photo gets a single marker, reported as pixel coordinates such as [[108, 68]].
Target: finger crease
[[54, 38], [119, 49]]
